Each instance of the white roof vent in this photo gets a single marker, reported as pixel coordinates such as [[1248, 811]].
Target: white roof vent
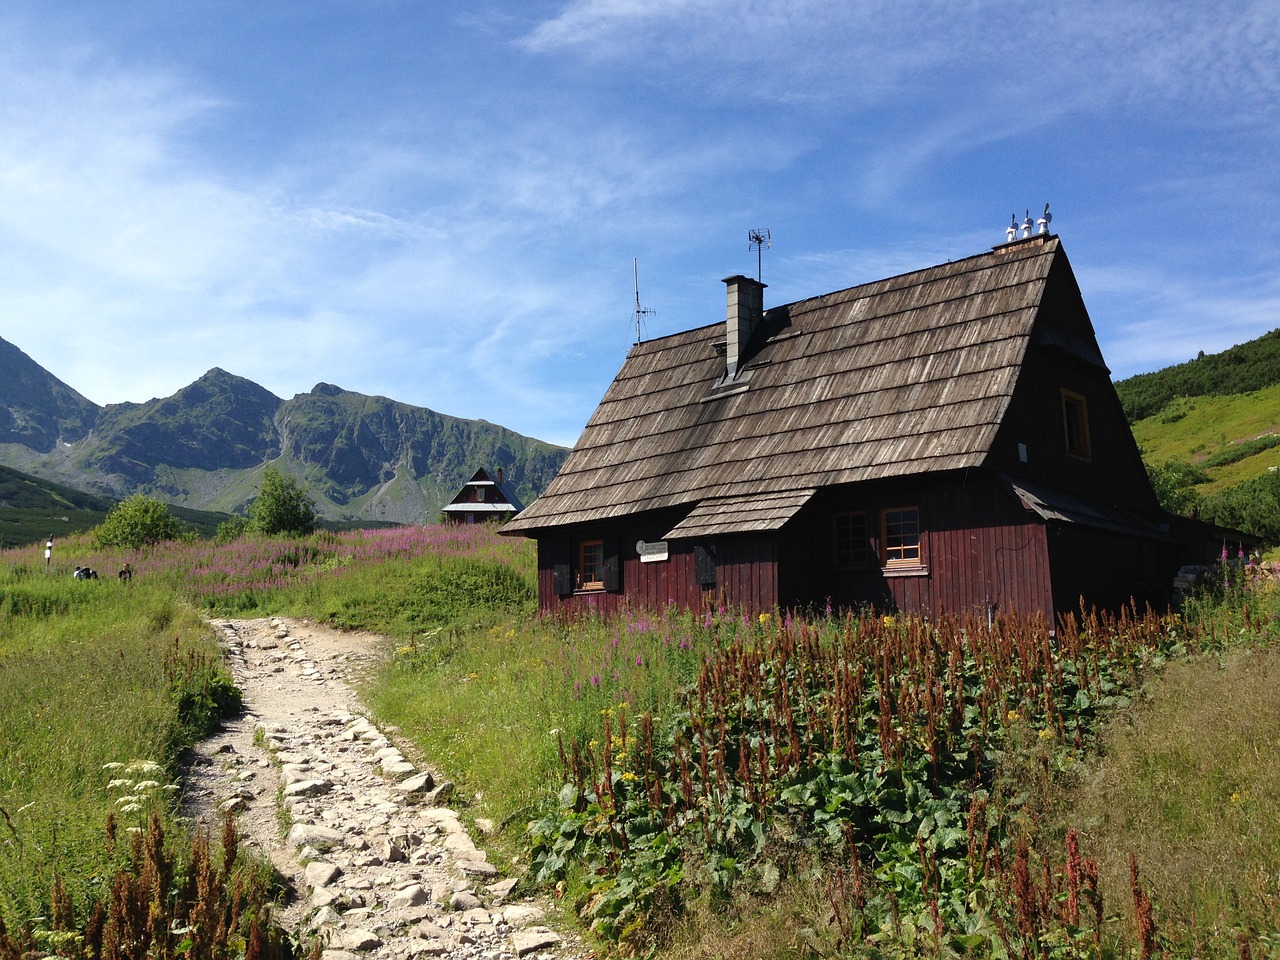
[[1046, 218], [1027, 225]]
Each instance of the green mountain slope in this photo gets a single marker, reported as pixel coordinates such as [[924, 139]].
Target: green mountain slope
[[1244, 368], [362, 458], [1231, 438], [1209, 431], [36, 408], [219, 421], [32, 510]]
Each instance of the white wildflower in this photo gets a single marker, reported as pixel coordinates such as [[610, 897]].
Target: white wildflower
[[119, 784], [142, 786]]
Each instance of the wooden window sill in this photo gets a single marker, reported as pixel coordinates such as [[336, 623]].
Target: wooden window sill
[[905, 570]]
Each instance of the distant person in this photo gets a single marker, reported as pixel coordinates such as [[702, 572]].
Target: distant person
[[79, 573], [126, 572]]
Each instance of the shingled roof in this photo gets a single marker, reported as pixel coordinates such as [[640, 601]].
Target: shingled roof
[[902, 376]]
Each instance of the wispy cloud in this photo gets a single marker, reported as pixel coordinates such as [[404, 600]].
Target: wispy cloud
[[457, 232]]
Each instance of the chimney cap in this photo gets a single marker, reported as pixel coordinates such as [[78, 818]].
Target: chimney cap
[[738, 278]]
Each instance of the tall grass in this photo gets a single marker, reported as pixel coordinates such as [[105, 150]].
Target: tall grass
[[474, 699], [99, 682], [1186, 779], [397, 580]]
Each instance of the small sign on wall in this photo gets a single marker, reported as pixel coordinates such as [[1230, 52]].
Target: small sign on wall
[[651, 552]]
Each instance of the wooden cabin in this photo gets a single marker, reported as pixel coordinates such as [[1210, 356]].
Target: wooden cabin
[[947, 440], [485, 498]]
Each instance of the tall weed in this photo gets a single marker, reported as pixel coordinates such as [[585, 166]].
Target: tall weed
[[94, 676]]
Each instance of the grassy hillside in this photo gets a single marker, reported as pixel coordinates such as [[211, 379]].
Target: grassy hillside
[[1209, 431], [1244, 368], [1231, 438], [32, 510]]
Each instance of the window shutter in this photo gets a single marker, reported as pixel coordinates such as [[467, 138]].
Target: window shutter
[[704, 564], [562, 579], [612, 566], [561, 566]]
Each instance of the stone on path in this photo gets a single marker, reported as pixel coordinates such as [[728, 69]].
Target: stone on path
[[314, 836], [463, 900], [321, 874], [420, 783], [534, 938]]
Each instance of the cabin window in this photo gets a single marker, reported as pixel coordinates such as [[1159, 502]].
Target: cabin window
[[900, 536], [851, 544], [591, 565], [1075, 423]]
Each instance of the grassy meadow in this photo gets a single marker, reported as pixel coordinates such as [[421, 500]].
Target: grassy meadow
[[100, 687], [700, 785], [1232, 438]]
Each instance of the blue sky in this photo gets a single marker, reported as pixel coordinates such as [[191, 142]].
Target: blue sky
[[440, 202]]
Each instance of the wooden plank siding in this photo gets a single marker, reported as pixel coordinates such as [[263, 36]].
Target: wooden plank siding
[[979, 550], [652, 586]]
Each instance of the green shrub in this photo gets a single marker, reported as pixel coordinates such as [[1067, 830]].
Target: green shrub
[[138, 522], [281, 506]]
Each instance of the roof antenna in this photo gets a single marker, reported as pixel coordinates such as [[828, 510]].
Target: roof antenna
[[641, 313], [761, 240]]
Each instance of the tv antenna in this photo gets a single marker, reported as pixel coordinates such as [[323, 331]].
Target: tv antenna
[[641, 312], [761, 240]]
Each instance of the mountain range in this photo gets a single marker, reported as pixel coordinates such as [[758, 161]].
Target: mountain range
[[359, 457]]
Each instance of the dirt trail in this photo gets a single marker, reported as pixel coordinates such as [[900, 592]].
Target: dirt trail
[[380, 867]]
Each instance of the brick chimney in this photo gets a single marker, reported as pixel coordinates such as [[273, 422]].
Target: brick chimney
[[745, 310]]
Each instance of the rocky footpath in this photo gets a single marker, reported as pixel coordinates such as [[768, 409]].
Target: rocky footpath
[[380, 866]]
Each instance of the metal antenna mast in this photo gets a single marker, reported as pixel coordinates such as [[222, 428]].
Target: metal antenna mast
[[641, 313], [761, 240]]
